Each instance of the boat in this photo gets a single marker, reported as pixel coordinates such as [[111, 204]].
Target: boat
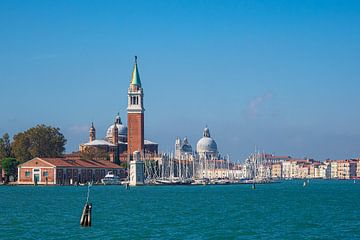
[[203, 181], [168, 181], [111, 179]]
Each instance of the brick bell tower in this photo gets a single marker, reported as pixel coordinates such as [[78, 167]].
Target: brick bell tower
[[135, 111]]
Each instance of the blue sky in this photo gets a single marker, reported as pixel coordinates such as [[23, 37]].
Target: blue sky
[[279, 75]]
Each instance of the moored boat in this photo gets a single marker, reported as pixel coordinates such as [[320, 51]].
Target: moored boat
[[111, 179]]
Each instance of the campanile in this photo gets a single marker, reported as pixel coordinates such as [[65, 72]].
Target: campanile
[[135, 111]]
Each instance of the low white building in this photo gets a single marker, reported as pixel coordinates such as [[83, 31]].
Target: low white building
[[334, 169]]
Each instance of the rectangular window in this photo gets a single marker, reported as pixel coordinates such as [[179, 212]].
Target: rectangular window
[[27, 173], [45, 173]]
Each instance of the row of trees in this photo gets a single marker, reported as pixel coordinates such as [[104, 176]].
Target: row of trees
[[39, 141]]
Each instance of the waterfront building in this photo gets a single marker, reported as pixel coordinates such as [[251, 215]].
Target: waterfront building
[[64, 171], [287, 169], [298, 168], [264, 170], [327, 168], [274, 158], [334, 169], [276, 170], [346, 169], [264, 165], [216, 173], [357, 167], [301, 170], [255, 167], [319, 170], [121, 141]]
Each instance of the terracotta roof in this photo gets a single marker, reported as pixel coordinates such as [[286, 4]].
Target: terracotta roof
[[278, 157], [58, 162], [66, 162], [347, 161]]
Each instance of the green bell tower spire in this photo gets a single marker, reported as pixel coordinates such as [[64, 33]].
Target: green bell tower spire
[[135, 79]]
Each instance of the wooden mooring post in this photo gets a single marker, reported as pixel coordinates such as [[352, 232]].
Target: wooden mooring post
[[85, 219]]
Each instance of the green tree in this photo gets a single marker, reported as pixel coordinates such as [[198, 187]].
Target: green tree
[[9, 165], [5, 147], [39, 141]]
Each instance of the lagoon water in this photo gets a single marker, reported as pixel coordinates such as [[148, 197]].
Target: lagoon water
[[323, 210]]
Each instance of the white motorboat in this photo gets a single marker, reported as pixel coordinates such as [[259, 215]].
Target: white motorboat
[[111, 179]]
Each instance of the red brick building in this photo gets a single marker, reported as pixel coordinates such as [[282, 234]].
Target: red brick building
[[64, 171]]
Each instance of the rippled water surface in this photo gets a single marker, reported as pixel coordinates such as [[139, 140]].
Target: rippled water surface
[[323, 210]]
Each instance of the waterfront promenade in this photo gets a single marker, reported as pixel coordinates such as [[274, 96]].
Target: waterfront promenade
[[323, 210]]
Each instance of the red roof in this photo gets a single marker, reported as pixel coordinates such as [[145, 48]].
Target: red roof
[[347, 161], [66, 162]]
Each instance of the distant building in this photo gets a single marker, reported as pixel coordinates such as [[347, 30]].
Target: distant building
[[183, 150], [357, 167], [121, 141], [346, 169], [204, 162], [327, 169], [334, 169], [206, 147], [276, 170], [65, 171]]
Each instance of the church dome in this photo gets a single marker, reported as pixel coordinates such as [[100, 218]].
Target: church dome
[[186, 147], [122, 130], [206, 144]]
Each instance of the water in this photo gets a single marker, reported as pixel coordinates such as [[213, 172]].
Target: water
[[323, 210]]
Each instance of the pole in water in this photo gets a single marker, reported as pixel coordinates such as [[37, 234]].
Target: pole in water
[[305, 184], [253, 186], [85, 219]]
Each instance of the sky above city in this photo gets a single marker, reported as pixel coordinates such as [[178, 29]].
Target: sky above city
[[279, 76]]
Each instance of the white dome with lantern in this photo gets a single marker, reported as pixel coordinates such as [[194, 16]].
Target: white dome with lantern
[[122, 130], [206, 145]]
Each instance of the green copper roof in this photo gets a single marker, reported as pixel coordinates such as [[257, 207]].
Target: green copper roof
[[135, 79]]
